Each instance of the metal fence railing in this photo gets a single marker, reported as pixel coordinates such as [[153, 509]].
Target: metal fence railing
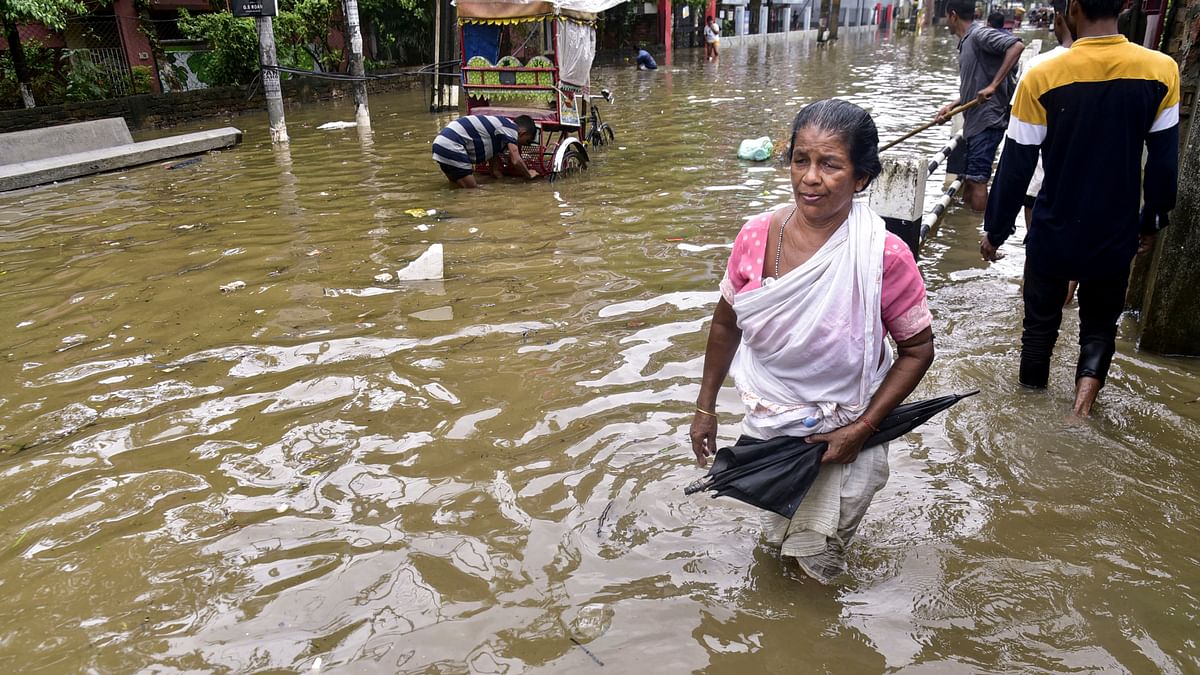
[[106, 66]]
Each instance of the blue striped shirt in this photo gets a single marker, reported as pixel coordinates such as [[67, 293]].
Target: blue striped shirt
[[473, 139]]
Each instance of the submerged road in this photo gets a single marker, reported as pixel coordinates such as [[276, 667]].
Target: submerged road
[[485, 474]]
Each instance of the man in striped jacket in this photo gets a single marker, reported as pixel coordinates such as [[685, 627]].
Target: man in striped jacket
[[476, 139], [1090, 113]]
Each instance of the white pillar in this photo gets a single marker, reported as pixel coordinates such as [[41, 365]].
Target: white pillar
[[739, 20], [808, 16], [764, 11], [787, 18]]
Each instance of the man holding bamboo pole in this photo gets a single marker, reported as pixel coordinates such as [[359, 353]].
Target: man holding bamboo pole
[[986, 58]]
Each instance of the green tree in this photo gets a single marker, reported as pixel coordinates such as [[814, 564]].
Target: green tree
[[404, 26], [234, 44], [51, 13], [302, 30]]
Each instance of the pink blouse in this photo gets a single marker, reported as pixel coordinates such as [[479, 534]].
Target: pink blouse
[[903, 307]]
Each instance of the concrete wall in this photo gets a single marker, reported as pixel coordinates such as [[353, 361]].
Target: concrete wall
[[735, 40], [152, 111]]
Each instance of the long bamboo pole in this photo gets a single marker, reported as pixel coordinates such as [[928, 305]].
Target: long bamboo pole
[[966, 106]]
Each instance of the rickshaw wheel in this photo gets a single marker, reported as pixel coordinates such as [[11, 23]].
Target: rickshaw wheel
[[572, 163], [608, 131]]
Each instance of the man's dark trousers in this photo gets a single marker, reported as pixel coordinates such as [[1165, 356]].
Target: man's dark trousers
[[1101, 301]]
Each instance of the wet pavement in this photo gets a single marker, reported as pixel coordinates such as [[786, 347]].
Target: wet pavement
[[485, 474]]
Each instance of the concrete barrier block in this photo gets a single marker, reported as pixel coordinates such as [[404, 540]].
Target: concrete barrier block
[[899, 191], [64, 139], [38, 172]]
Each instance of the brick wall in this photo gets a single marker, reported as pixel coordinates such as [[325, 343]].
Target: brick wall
[[154, 111]]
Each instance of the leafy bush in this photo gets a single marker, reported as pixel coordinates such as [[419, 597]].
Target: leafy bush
[[85, 80], [141, 80]]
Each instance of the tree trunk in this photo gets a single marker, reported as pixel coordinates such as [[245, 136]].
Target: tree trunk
[[835, 15], [1171, 310], [18, 58]]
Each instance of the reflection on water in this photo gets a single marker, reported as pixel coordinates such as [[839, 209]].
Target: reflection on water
[[323, 469]]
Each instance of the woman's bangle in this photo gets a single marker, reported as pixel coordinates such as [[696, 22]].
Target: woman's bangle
[[702, 411], [870, 426]]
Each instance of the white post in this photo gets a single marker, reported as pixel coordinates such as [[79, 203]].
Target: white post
[[787, 18], [808, 16], [270, 78], [739, 20], [437, 57], [764, 11], [357, 68]]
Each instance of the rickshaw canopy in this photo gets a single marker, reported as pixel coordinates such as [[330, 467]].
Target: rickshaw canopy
[[513, 9]]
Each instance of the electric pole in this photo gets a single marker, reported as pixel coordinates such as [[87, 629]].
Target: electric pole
[[270, 79], [357, 69]]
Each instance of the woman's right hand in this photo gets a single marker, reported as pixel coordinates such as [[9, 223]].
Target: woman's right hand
[[704, 437]]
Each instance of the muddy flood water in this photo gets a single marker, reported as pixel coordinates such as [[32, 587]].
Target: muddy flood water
[[323, 472]]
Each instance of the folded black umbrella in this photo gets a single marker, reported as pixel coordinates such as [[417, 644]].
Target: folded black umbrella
[[776, 474]]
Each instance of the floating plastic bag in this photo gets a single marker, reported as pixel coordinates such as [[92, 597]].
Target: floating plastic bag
[[757, 149]]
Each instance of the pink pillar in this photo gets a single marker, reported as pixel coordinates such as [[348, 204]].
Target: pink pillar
[[136, 45], [665, 26], [711, 10]]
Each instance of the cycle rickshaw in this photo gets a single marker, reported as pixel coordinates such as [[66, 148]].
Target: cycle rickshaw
[[548, 48]]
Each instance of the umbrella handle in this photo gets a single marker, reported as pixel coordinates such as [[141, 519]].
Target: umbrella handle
[[697, 486]]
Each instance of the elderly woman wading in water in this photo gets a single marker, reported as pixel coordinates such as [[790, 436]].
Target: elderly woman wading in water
[[809, 295]]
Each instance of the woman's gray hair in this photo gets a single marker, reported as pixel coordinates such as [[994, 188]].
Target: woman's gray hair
[[851, 124]]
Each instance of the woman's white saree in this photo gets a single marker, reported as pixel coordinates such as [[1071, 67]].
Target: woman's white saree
[[813, 352]]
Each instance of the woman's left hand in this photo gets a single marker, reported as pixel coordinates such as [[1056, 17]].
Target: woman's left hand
[[844, 443]]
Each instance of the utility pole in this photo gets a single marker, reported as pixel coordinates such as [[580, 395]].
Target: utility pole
[[270, 79], [361, 113], [437, 103]]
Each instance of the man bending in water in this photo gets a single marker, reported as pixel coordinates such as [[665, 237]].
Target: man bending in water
[[475, 139]]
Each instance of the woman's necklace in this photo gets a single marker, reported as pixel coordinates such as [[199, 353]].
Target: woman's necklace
[[779, 246]]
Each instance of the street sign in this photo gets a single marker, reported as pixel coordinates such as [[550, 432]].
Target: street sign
[[254, 8]]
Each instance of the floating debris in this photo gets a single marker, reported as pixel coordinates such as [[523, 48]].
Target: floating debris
[[428, 267], [592, 621], [328, 126], [437, 314], [233, 286], [185, 163]]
